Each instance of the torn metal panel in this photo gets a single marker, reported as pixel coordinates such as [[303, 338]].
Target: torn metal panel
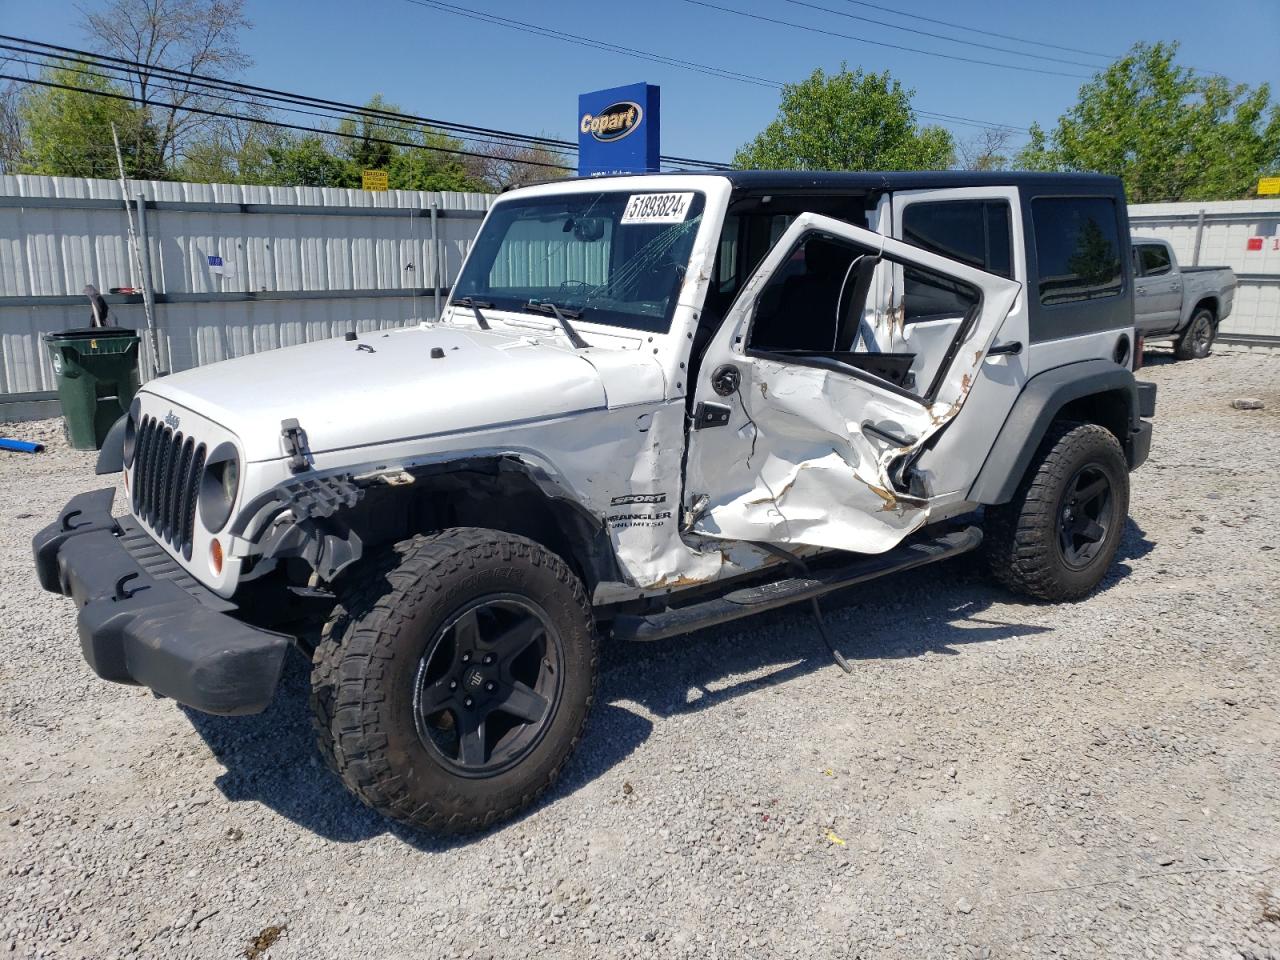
[[811, 455]]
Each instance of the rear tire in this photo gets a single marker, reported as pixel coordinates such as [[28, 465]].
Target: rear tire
[[454, 679], [1196, 341], [1056, 539]]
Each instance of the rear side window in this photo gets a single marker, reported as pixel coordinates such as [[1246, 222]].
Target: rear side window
[[974, 232], [1077, 248], [1153, 259]]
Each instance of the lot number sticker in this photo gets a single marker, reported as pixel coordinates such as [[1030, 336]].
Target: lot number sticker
[[657, 208]]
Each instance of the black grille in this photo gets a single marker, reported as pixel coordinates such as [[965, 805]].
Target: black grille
[[166, 481]]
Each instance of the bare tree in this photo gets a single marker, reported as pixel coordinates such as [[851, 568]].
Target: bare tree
[[988, 150], [10, 130], [194, 36], [509, 166]]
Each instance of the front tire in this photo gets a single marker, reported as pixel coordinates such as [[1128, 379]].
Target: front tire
[[1196, 341], [454, 679], [1056, 539]]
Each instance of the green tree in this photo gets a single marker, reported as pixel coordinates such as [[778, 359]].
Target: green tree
[[379, 143], [1169, 133], [306, 162], [67, 133], [363, 136], [847, 121], [236, 153]]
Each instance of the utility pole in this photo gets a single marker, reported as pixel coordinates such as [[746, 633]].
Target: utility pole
[[148, 307]]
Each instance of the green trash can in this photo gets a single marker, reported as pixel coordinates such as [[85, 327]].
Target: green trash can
[[97, 371]]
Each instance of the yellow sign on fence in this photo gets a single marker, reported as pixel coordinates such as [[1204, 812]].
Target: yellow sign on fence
[[1268, 186], [375, 180]]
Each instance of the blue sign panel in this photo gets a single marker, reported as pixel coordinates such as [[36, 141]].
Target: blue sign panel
[[618, 130]]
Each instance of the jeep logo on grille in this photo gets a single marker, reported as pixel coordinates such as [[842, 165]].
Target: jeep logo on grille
[[171, 420]]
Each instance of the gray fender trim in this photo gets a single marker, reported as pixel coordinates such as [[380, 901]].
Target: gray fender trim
[[111, 456], [1037, 405]]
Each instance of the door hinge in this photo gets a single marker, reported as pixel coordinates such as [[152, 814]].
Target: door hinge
[[710, 415]]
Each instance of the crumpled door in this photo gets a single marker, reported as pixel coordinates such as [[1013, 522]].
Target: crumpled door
[[810, 450]]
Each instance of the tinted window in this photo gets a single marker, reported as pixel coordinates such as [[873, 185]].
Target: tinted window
[[1077, 248], [1154, 259], [974, 232]]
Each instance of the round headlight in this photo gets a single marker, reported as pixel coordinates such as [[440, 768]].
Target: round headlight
[[219, 486], [131, 433], [230, 479]]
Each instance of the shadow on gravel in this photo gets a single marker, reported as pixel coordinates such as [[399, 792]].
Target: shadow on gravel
[[270, 758], [935, 609], [1158, 358]]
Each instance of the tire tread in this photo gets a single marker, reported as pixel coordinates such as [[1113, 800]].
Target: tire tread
[[1020, 536], [352, 660]]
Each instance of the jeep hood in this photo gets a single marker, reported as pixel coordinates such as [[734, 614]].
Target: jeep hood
[[400, 384]]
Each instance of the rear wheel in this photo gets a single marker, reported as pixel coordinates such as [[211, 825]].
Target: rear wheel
[[453, 683], [1196, 341], [1057, 537]]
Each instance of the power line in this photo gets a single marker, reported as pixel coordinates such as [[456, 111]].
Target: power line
[[985, 33], [407, 124], [881, 43], [467, 131], [271, 123], [281, 95], [943, 36], [659, 58], [542, 31]]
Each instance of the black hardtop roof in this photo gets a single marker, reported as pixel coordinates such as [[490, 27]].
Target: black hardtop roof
[[760, 180]]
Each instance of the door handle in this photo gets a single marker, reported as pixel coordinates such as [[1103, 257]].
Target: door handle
[[1142, 290], [1011, 349]]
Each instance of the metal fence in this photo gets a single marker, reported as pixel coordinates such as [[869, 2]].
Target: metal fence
[[238, 269], [232, 269], [1241, 234]]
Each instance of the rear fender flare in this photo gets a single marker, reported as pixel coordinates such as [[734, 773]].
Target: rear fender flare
[[1041, 401]]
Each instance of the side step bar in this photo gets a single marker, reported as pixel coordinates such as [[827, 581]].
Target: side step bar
[[778, 593]]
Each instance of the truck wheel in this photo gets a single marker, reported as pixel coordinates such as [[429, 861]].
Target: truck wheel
[[454, 678], [1196, 342], [1056, 538]]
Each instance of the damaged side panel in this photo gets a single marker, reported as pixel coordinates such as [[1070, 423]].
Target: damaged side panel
[[621, 468], [814, 455]]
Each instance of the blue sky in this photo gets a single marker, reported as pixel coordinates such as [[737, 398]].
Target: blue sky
[[446, 66]]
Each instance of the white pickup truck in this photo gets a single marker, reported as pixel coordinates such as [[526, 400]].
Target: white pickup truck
[[652, 404], [1185, 304]]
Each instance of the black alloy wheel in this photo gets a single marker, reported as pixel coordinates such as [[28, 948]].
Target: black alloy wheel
[[454, 676], [489, 684], [1085, 516]]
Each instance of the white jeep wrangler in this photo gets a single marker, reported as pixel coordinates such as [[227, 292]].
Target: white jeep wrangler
[[652, 403]]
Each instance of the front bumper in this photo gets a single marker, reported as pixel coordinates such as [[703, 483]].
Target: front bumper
[[144, 620]]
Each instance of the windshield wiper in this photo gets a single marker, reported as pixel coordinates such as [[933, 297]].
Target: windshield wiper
[[546, 306], [475, 306]]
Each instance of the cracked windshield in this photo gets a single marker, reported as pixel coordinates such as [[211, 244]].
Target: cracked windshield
[[616, 258]]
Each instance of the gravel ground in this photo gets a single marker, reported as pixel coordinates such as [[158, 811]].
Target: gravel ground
[[995, 779]]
